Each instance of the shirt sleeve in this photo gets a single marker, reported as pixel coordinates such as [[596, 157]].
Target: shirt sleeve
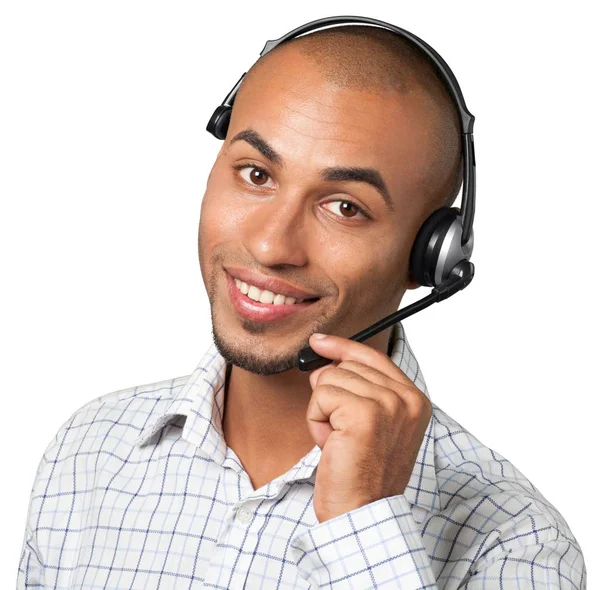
[[366, 548], [555, 564], [31, 568], [380, 545]]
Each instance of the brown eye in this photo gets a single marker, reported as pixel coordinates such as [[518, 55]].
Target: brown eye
[[347, 208], [257, 176]]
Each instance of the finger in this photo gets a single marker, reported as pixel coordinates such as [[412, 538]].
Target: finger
[[359, 385], [341, 408], [383, 386], [314, 376], [343, 349], [369, 373]]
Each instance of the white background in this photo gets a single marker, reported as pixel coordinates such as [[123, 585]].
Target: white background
[[104, 158]]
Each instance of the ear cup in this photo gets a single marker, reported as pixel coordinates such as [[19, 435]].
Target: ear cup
[[219, 122], [434, 248]]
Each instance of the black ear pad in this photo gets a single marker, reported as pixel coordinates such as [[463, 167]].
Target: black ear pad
[[219, 122], [428, 243]]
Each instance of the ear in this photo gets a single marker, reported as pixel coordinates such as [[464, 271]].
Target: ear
[[412, 283]]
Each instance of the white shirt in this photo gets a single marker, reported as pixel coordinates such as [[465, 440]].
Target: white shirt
[[138, 489]]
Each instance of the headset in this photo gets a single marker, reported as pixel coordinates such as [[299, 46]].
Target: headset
[[440, 256]]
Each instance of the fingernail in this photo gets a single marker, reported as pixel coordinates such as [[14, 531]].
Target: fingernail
[[319, 336]]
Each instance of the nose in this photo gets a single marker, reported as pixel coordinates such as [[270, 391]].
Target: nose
[[274, 232]]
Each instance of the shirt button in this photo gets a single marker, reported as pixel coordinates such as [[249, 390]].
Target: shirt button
[[244, 515]]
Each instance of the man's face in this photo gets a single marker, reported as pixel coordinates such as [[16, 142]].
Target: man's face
[[290, 224]]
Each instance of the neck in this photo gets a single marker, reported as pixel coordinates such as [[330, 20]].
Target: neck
[[264, 419]]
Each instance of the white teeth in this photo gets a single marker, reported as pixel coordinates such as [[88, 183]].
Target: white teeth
[[265, 296], [254, 293]]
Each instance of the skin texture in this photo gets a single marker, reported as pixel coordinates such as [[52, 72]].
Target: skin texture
[[291, 225]]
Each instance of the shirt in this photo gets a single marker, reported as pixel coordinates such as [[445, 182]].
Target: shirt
[[138, 489]]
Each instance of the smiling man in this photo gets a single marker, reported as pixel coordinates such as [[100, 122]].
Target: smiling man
[[249, 473], [314, 171]]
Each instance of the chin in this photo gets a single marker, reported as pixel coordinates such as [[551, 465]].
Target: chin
[[254, 359]]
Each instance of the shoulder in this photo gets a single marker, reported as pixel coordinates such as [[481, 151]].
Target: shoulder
[[97, 436], [101, 424], [472, 476]]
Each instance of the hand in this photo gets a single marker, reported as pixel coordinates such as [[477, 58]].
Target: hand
[[369, 420]]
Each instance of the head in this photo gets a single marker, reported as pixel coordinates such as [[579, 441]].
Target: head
[[350, 97]]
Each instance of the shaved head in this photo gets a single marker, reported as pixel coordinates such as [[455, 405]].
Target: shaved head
[[373, 59]]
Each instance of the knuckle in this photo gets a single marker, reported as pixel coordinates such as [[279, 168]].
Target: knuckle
[[421, 407], [394, 403], [327, 377]]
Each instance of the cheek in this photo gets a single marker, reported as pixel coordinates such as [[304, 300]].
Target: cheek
[[212, 227], [378, 279], [220, 217], [365, 279]]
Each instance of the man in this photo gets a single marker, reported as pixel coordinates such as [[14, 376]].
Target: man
[[250, 473]]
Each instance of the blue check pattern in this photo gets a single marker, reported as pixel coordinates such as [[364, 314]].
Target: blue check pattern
[[139, 490]]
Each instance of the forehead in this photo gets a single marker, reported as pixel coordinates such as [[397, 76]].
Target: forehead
[[310, 120]]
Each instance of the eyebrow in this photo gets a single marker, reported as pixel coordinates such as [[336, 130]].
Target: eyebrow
[[370, 176]]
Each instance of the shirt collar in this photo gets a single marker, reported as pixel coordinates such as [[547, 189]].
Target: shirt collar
[[201, 402]]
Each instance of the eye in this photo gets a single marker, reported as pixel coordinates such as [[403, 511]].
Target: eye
[[259, 173], [347, 210], [256, 177]]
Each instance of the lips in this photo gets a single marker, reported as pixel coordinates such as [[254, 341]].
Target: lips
[[261, 312], [256, 294], [272, 284]]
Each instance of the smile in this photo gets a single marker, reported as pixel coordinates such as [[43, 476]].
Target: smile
[[266, 296], [262, 305]]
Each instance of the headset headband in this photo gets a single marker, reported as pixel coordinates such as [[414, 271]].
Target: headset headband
[[467, 206]]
